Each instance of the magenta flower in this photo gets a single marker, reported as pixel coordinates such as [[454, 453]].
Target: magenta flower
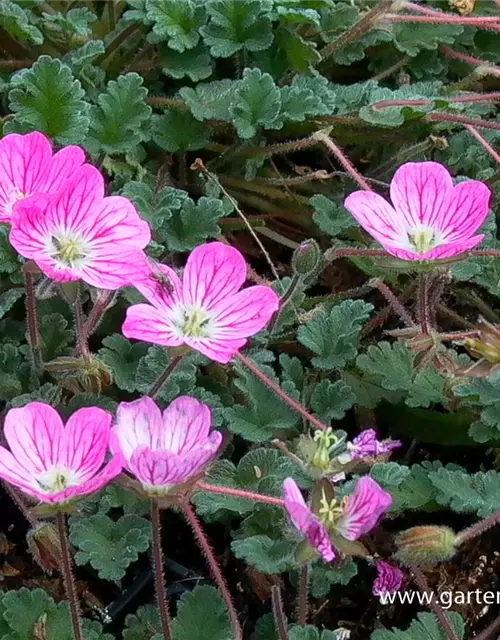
[[366, 445], [79, 234], [429, 218], [363, 509], [306, 522], [53, 462], [206, 310], [164, 451], [28, 166], [388, 581]]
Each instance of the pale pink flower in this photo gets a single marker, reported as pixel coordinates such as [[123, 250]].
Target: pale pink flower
[[164, 451], [388, 581], [53, 462], [305, 521], [366, 445], [206, 309], [363, 509], [429, 218], [79, 234], [28, 166]]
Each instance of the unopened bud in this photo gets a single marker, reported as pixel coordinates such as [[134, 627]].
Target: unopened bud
[[487, 344], [426, 545], [307, 259], [45, 547]]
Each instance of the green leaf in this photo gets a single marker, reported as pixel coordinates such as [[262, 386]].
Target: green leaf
[[47, 98], [75, 21], [193, 224], [85, 54], [110, 547], [333, 335], [427, 389], [14, 368], [194, 63], [122, 357], [56, 336], [331, 400], [324, 576], [302, 54], [154, 206], [143, 625], [265, 554], [176, 21], [117, 123], [324, 94], [480, 391], [211, 100], [411, 41], [389, 365], [178, 131], [205, 604], [468, 493], [426, 625], [16, 20], [8, 299], [257, 102], [48, 393], [237, 24], [9, 260], [330, 217], [153, 364], [308, 632]]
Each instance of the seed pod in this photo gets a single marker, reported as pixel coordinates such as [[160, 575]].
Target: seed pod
[[426, 545], [44, 545]]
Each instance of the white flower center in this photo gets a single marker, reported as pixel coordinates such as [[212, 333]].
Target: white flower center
[[57, 479], [192, 322], [15, 197], [68, 249], [423, 239]]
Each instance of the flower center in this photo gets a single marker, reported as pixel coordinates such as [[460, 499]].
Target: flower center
[[329, 512], [423, 239], [193, 322], [69, 250], [57, 479], [326, 440]]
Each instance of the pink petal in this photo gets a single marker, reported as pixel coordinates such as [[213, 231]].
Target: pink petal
[[85, 441], [115, 269], [163, 295], [115, 225], [389, 579], [221, 350], [29, 229], [156, 468], [60, 168], [468, 208], [364, 508], [146, 323], [14, 473], [420, 193], [442, 252], [186, 424], [377, 217], [213, 272], [199, 457], [318, 537], [34, 434], [245, 313], [138, 423]]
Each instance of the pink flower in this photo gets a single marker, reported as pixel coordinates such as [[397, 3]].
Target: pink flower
[[305, 520], [429, 218], [78, 234], [363, 509], [366, 445], [163, 451], [389, 579], [28, 166], [206, 310], [53, 462]]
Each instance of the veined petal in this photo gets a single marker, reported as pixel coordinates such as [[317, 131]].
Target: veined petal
[[363, 508], [245, 313], [14, 473], [186, 424], [85, 441], [389, 579], [115, 222], [59, 169], [377, 217], [155, 468], [160, 285], [30, 230], [441, 252], [34, 434], [213, 272], [420, 193], [220, 350], [138, 423], [99, 480], [113, 269], [149, 324], [468, 208]]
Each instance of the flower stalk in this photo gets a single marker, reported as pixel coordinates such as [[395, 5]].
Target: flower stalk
[[163, 378], [478, 528], [423, 304], [82, 343], [323, 137], [239, 493], [161, 592], [280, 621], [421, 581], [32, 320], [215, 569], [69, 579], [303, 596]]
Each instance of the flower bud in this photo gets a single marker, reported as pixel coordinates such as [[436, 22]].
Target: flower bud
[[487, 344], [45, 547], [307, 259], [426, 545]]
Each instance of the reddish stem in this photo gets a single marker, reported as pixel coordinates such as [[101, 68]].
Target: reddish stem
[[424, 102], [215, 569], [69, 578], [161, 591], [303, 599], [480, 23], [458, 55], [448, 117], [238, 493], [342, 158], [478, 528], [483, 142], [334, 254], [484, 253], [393, 301], [279, 391], [280, 622], [421, 581], [433, 12]]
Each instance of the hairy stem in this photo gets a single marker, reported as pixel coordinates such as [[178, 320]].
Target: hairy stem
[[20, 503], [280, 622], [32, 321], [323, 137], [82, 339], [215, 569], [162, 378], [423, 303], [300, 409], [434, 604], [479, 22], [427, 102], [69, 579], [393, 301], [448, 52], [303, 597], [490, 631], [478, 528], [238, 493], [161, 591], [483, 142], [453, 117], [284, 300], [98, 310]]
